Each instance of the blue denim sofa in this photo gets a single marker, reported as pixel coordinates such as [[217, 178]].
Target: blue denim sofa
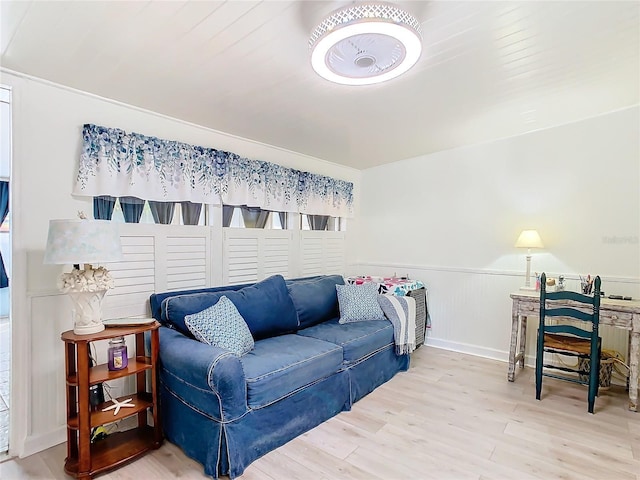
[[226, 411]]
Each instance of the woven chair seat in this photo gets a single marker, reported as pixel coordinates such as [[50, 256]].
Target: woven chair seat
[[567, 343]]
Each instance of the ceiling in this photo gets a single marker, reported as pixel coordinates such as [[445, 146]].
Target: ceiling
[[488, 69]]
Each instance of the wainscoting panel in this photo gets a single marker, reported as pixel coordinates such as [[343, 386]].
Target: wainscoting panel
[[470, 309], [50, 315]]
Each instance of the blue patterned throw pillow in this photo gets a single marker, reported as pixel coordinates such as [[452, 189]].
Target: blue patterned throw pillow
[[359, 303], [221, 325]]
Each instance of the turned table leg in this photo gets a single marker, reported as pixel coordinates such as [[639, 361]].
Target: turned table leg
[[513, 344], [523, 340], [634, 354]]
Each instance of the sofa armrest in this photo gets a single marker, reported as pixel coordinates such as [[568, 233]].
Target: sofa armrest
[[207, 378]]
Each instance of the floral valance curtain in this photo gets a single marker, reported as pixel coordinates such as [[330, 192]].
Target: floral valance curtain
[[116, 163]]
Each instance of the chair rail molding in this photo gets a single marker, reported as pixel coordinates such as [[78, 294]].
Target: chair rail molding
[[402, 267]]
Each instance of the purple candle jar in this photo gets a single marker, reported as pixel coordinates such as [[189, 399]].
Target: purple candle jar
[[117, 353]]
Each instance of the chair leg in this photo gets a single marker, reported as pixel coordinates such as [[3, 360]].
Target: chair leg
[[539, 362], [594, 378], [598, 376], [592, 399]]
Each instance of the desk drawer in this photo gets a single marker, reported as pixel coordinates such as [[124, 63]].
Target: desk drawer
[[616, 318], [529, 309]]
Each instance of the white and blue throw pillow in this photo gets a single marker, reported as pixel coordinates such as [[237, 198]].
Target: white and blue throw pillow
[[221, 325], [359, 303]]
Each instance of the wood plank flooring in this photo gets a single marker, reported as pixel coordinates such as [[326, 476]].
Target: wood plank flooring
[[451, 416]]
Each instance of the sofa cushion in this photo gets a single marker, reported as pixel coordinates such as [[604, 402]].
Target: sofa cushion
[[278, 366], [358, 339], [221, 325], [315, 299], [359, 303], [266, 307]]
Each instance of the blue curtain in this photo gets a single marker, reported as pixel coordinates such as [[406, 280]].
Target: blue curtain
[[190, 212], [132, 209], [283, 219], [318, 222], [4, 209], [254, 217], [103, 207], [227, 214], [162, 212]]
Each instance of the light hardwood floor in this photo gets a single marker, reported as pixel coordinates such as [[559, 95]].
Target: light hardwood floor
[[451, 416]]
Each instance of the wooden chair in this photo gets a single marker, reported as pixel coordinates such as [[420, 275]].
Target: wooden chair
[[568, 339]]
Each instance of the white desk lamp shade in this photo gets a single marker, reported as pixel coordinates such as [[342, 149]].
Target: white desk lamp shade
[[84, 242], [529, 239]]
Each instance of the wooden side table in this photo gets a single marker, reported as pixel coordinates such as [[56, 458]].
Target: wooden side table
[[85, 459]]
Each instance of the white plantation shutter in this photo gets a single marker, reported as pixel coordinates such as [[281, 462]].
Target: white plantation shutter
[[275, 253], [134, 277], [322, 253], [253, 254], [159, 258], [240, 257], [186, 262]]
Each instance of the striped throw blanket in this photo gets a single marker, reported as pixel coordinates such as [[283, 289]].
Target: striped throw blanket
[[401, 312]]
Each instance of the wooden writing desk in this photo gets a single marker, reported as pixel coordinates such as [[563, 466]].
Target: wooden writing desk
[[622, 314]]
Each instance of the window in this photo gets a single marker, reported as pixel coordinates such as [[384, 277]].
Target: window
[[278, 220], [252, 217], [322, 223], [118, 215]]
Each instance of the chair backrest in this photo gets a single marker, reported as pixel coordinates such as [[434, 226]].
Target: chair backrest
[[573, 311]]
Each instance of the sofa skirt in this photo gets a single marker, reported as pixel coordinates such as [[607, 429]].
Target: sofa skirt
[[198, 435], [371, 372], [227, 448]]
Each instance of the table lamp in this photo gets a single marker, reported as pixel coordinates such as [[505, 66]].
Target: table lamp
[[529, 239], [82, 241]]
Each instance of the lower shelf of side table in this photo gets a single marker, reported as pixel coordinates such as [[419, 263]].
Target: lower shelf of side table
[[141, 402], [115, 450]]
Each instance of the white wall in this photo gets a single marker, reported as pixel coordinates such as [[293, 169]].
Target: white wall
[[47, 127], [452, 218]]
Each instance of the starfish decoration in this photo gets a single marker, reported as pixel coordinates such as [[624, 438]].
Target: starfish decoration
[[118, 405]]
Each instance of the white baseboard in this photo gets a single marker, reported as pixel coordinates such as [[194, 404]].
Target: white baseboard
[[529, 360], [476, 350]]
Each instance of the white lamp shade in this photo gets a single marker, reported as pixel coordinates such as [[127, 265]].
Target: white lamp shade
[[83, 241], [529, 239]]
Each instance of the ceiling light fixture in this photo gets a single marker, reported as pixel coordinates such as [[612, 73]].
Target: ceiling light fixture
[[365, 43]]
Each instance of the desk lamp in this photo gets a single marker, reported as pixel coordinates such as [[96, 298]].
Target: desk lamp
[[529, 239], [82, 241]]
